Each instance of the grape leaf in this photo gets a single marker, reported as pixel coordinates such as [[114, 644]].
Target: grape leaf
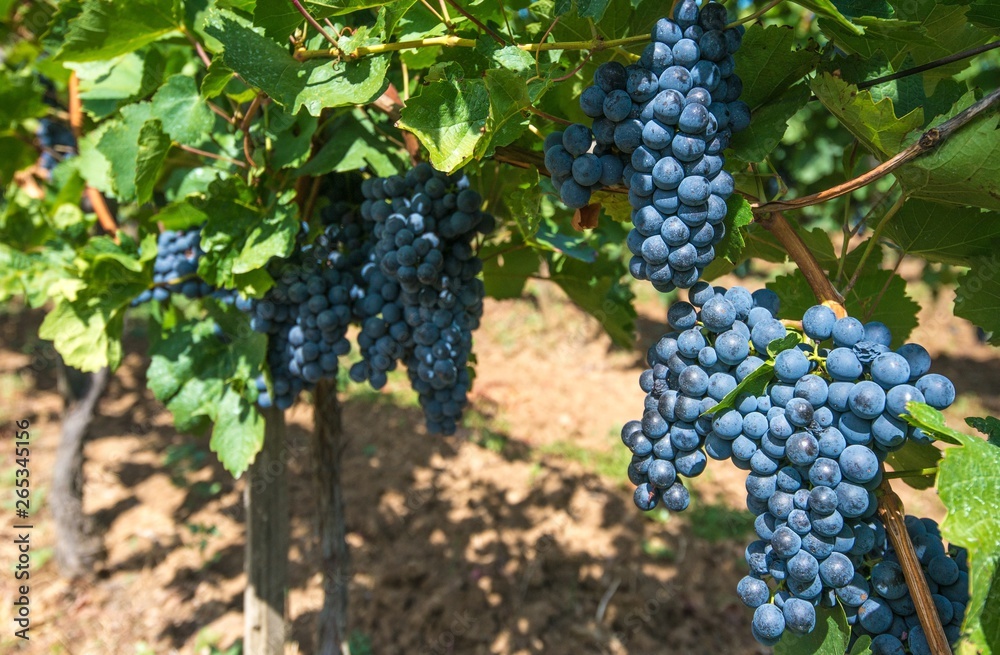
[[738, 217], [598, 290], [508, 96], [969, 487], [449, 118], [856, 8], [769, 123], [944, 233], [830, 636], [768, 63], [989, 425], [152, 152], [753, 384], [20, 99], [874, 124], [314, 84], [829, 9], [915, 456], [120, 146], [352, 145], [182, 111], [106, 29], [507, 267], [977, 297], [786, 342], [238, 434], [964, 169], [585, 8]]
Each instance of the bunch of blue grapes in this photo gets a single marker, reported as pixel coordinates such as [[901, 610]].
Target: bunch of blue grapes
[[307, 312], [57, 142], [815, 450], [878, 602], [711, 350], [660, 126], [422, 297], [175, 267]]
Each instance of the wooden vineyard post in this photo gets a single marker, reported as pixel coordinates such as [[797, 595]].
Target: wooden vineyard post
[[266, 501], [328, 446]]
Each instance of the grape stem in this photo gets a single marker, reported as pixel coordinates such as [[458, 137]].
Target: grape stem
[[104, 216], [799, 252], [595, 45], [319, 28], [911, 473], [929, 141], [890, 510]]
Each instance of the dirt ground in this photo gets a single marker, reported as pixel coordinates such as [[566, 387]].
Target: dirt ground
[[516, 536]]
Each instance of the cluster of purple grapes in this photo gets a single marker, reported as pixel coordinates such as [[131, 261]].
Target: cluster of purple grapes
[[306, 315], [879, 604], [814, 442], [660, 127], [423, 297], [176, 266], [691, 370], [57, 143]]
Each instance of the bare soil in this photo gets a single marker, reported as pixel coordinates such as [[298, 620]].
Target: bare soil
[[516, 536]]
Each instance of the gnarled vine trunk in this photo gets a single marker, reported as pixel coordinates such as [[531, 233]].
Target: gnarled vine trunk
[[78, 549]]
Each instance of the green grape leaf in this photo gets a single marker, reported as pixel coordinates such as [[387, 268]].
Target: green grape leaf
[[20, 99], [753, 384], [86, 326], [944, 233], [786, 342], [857, 8], [182, 111], [238, 434], [828, 9], [739, 216], [279, 18], [508, 96], [769, 123], [907, 93], [120, 147], [768, 63], [353, 144], [449, 118], [106, 29], [914, 456], [584, 8], [199, 375], [962, 170], [314, 84], [862, 646], [597, 289], [874, 124], [240, 237], [977, 297], [507, 267], [152, 152], [989, 425], [830, 637]]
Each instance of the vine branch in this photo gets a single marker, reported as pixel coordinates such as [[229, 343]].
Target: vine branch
[[596, 45], [315, 23], [928, 142], [104, 216], [943, 61]]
